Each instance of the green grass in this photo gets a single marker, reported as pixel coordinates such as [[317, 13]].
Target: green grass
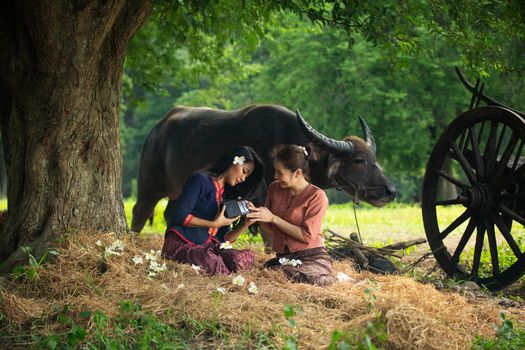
[[395, 222], [392, 223]]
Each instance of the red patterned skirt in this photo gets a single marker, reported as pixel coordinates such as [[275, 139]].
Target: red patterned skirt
[[208, 255]]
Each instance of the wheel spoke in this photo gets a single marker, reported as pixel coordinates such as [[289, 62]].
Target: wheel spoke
[[464, 163], [517, 157], [504, 160], [463, 140], [464, 239], [459, 200], [500, 139], [477, 249], [512, 214], [491, 234], [511, 197], [520, 171], [480, 135], [498, 220], [490, 149], [459, 220], [452, 180], [477, 154]]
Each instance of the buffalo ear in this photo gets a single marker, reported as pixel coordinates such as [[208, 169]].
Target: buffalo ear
[[333, 165]]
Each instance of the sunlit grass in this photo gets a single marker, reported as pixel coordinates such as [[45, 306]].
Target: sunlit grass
[[395, 222]]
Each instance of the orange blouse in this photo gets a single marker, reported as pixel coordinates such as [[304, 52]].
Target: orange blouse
[[306, 210]]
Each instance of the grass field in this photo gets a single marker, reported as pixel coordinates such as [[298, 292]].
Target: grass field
[[395, 222], [391, 223]]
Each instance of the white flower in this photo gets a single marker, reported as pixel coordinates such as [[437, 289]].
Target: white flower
[[195, 268], [156, 267], [163, 267], [116, 248], [180, 286], [283, 261], [152, 255], [239, 160], [226, 245], [291, 262], [221, 290], [343, 277], [238, 280], [99, 243], [137, 260], [304, 150], [253, 288], [296, 262]]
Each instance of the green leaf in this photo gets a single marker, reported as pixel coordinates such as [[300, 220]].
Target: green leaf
[[51, 342], [32, 273], [32, 261], [85, 314]]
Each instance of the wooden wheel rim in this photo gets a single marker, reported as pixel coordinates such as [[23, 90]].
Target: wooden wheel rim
[[477, 206]]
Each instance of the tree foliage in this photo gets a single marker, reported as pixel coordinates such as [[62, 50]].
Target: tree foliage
[[406, 88]]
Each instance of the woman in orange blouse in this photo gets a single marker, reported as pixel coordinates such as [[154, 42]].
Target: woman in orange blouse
[[293, 215]]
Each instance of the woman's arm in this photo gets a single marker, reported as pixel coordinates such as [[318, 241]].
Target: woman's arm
[[234, 234], [264, 215], [192, 192], [219, 221]]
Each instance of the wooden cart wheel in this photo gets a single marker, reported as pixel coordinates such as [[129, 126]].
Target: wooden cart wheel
[[480, 161]]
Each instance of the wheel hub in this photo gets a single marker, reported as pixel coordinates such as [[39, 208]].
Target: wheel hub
[[479, 197]]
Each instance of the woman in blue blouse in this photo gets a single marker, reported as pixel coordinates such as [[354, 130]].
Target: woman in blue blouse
[[197, 224]]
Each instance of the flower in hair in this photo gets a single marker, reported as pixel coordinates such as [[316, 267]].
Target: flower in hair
[[304, 150], [239, 160]]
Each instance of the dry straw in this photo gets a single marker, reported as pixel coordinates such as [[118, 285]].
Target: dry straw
[[416, 316]]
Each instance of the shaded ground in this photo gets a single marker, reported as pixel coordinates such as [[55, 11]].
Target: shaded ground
[[412, 315]]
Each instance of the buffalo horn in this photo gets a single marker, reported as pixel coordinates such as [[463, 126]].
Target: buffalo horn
[[369, 138], [340, 148]]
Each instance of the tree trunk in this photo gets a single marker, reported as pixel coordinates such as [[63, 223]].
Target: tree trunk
[[61, 65], [3, 175]]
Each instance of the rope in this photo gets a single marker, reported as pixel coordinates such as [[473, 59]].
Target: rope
[[357, 222]]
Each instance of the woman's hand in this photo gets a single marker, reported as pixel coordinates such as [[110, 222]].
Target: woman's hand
[[261, 214], [221, 220]]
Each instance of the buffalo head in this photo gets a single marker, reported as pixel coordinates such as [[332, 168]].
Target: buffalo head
[[351, 164]]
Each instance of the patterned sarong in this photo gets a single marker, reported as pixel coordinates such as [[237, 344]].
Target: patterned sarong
[[208, 255], [316, 267]]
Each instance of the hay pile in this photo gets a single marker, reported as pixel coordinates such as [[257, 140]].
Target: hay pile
[[416, 316]]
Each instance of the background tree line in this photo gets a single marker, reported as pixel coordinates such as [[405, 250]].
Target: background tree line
[[407, 100]]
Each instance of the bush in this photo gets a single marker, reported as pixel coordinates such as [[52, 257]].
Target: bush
[[508, 338]]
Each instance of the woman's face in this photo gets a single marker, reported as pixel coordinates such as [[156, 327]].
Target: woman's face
[[285, 177], [238, 173]]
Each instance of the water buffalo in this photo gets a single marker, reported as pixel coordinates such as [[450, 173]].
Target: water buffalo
[[187, 139]]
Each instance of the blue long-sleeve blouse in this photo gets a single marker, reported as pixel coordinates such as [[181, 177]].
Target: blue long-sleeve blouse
[[201, 196]]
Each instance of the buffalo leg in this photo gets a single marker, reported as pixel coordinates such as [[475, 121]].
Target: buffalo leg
[[170, 207], [142, 211]]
